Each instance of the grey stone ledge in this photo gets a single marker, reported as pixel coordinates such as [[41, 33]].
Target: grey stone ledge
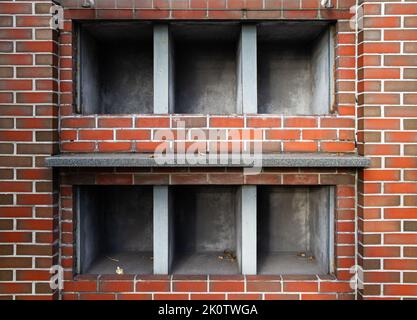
[[306, 160]]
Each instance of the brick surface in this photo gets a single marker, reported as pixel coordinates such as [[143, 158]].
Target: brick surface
[[392, 192], [382, 125]]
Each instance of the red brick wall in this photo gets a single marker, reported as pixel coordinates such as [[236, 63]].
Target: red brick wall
[[28, 133], [387, 133], [386, 123]]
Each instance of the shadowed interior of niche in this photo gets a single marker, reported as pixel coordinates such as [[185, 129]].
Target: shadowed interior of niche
[[115, 67], [115, 229], [293, 230], [205, 59], [295, 67], [205, 230]]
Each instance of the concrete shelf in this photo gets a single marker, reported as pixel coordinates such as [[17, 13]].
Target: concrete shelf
[[302, 160]]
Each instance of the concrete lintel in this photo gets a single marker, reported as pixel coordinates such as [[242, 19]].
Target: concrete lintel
[[248, 218], [301, 160], [161, 229]]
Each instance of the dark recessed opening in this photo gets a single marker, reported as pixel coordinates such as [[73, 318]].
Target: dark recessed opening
[[294, 230], [205, 67], [205, 230], [295, 66], [115, 66], [115, 229]]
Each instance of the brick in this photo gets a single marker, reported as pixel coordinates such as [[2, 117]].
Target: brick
[[410, 124], [171, 296], [15, 34], [227, 286], [300, 286], [400, 239], [153, 286], [78, 146], [400, 188], [11, 237], [381, 201], [400, 9], [410, 225], [381, 226], [300, 122], [319, 134], [300, 146], [134, 296], [258, 122], [283, 134], [15, 288], [381, 175], [16, 59], [263, 286], [400, 35], [400, 61], [133, 135], [78, 122], [155, 122], [114, 146], [400, 86], [208, 296], [401, 136], [226, 122], [116, 286], [95, 135], [400, 290], [97, 296], [397, 162], [337, 123], [335, 287], [300, 179], [115, 122], [378, 277], [36, 46], [190, 286], [381, 124], [32, 21], [337, 146]]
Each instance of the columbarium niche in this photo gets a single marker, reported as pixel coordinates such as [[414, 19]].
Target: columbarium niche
[[114, 229], [295, 230]]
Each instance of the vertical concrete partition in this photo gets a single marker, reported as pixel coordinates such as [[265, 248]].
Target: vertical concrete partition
[[163, 70], [247, 92], [248, 213], [162, 230]]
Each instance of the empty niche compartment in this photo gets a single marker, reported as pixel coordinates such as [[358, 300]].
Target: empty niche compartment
[[205, 230], [205, 67], [295, 230], [115, 68], [115, 229], [295, 68]]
